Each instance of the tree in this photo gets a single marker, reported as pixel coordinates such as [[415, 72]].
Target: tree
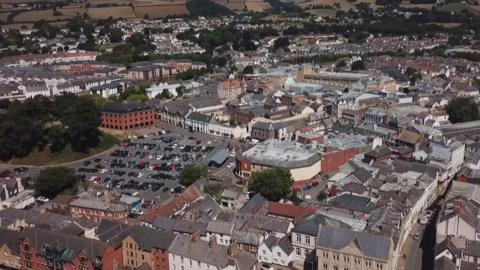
[[55, 180], [191, 173], [81, 118], [282, 42], [462, 109], [322, 195], [248, 70], [358, 65], [166, 94], [413, 75], [115, 35], [273, 184], [180, 90]]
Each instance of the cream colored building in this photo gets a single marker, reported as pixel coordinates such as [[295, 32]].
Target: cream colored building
[[344, 249]]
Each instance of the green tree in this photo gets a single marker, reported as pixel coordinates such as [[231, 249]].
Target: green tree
[[55, 180], [273, 184], [248, 70], [358, 65], [81, 118], [180, 90], [115, 35], [192, 172], [18, 136], [413, 75], [462, 109], [322, 195], [166, 94], [282, 42]]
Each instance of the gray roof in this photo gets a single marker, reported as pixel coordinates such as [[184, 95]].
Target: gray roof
[[71, 245], [11, 239], [443, 263], [220, 227], [199, 117], [351, 202], [310, 225], [108, 229], [255, 204], [98, 205], [147, 238], [199, 250], [371, 245]]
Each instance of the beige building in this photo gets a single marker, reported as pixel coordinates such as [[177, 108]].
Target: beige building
[[10, 249], [143, 245], [345, 249]]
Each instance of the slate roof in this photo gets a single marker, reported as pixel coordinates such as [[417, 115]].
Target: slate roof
[[108, 229], [444, 263], [220, 227], [71, 246], [371, 245], [199, 117], [255, 204], [310, 225], [199, 250], [11, 239], [351, 202], [447, 244]]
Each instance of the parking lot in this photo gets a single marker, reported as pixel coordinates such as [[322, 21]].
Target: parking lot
[[148, 166]]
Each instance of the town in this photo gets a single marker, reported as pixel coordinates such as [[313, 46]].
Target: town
[[240, 135]]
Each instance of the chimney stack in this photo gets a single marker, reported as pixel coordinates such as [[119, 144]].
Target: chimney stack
[[212, 241]]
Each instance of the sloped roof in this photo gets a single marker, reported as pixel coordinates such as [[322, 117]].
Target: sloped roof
[[11, 239], [371, 245], [289, 210], [71, 245]]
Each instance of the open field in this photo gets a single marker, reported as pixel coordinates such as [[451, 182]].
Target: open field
[[422, 6], [344, 4], [4, 16], [45, 157], [459, 7], [115, 12], [257, 5], [37, 15], [323, 12], [160, 11]]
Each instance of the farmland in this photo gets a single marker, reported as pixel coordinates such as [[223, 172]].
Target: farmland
[[160, 11], [344, 4]]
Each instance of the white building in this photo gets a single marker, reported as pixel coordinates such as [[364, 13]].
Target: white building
[[275, 250]]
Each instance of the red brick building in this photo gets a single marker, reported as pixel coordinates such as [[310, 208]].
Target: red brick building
[[43, 249], [333, 158], [125, 116], [95, 210]]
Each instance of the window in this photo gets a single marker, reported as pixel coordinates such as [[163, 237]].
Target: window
[[299, 238], [298, 251], [325, 266], [307, 240], [278, 254], [264, 252]]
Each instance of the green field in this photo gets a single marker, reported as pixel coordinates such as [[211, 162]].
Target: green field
[[45, 157], [323, 12], [458, 7]]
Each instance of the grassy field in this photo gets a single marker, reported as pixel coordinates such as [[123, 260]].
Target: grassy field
[[323, 12], [45, 157], [459, 7], [422, 6], [115, 12], [344, 4], [37, 15], [160, 11]]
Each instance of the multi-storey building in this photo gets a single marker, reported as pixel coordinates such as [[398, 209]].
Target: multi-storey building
[[125, 116], [44, 249], [346, 249]]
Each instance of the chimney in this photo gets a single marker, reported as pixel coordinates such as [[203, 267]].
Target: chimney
[[212, 241], [232, 250], [195, 236], [457, 207]]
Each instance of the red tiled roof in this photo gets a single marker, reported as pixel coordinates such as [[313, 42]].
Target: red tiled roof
[[191, 194], [289, 211], [165, 209]]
